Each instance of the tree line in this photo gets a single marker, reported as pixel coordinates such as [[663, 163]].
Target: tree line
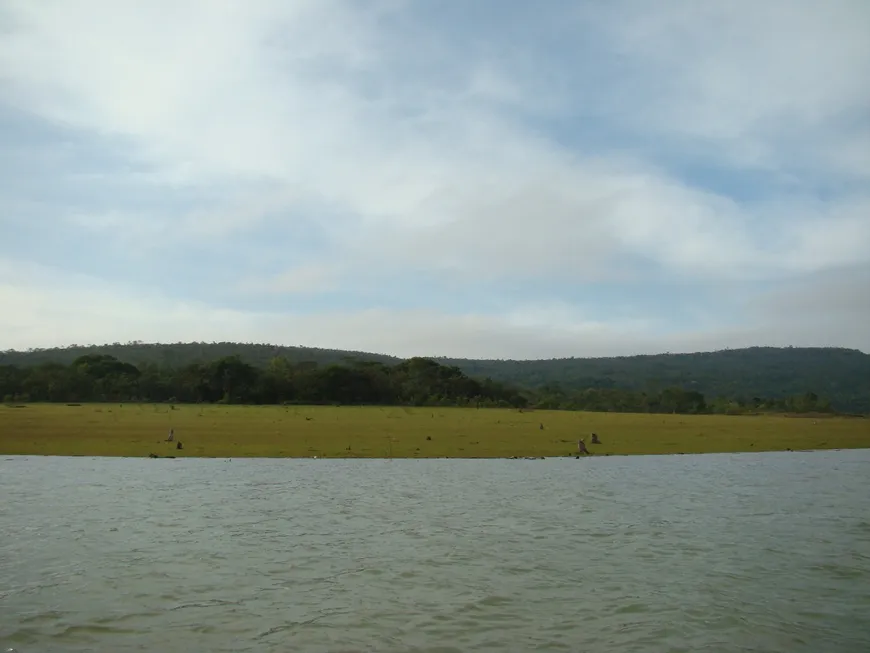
[[413, 382], [734, 376]]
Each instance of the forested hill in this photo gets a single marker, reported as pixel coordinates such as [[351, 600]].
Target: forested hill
[[842, 376], [183, 353]]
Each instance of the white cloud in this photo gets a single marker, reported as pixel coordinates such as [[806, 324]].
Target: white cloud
[[750, 79], [45, 307], [412, 149], [833, 303], [310, 278]]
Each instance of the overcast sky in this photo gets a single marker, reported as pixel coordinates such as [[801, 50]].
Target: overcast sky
[[475, 178]]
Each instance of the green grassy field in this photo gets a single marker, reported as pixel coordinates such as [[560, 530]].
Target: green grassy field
[[399, 432]]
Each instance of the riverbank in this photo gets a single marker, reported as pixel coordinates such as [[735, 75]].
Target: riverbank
[[398, 432]]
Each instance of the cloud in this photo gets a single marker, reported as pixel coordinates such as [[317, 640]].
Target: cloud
[[830, 309], [50, 309], [743, 79], [339, 153], [304, 279]]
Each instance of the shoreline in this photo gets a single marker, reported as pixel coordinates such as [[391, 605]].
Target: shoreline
[[15, 456]]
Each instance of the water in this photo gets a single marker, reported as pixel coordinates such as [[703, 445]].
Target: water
[[752, 552]]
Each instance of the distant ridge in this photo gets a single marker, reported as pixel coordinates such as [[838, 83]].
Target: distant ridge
[[839, 374]]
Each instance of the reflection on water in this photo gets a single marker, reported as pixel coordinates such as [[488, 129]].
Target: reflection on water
[[761, 552]]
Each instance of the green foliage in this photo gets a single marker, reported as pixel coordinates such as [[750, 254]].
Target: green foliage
[[761, 379], [99, 366], [841, 376], [228, 380]]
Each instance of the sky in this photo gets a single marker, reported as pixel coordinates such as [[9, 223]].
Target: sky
[[464, 178]]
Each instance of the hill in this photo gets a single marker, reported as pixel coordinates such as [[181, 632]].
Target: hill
[[183, 353], [842, 376]]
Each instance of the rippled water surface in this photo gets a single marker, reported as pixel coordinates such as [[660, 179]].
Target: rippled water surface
[[751, 552]]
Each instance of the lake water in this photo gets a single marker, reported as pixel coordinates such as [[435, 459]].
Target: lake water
[[749, 552]]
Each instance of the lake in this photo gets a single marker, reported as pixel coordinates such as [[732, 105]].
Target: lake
[[744, 552]]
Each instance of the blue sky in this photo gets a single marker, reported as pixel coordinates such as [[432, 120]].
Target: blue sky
[[486, 179]]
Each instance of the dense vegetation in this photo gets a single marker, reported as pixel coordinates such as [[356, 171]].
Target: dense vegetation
[[267, 375], [101, 377], [840, 375], [184, 353]]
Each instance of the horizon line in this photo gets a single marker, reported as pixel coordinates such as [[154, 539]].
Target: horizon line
[[141, 343]]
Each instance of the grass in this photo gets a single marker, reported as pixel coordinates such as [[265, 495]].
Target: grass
[[400, 432]]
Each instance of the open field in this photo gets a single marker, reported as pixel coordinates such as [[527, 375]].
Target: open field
[[399, 432]]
